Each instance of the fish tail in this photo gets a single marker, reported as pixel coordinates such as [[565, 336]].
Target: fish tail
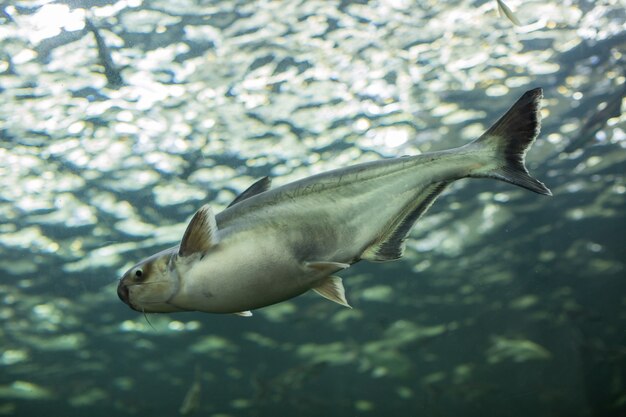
[[510, 138]]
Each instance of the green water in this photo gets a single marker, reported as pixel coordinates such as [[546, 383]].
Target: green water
[[505, 304]]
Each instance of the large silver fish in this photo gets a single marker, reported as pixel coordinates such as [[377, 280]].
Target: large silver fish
[[271, 245]]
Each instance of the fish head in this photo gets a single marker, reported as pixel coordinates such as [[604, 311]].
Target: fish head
[[149, 285]]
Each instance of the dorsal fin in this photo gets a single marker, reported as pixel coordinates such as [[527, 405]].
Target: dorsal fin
[[390, 246], [201, 234], [257, 188]]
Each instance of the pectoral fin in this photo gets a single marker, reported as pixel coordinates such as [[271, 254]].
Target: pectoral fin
[[332, 289], [246, 313], [326, 267], [201, 234]]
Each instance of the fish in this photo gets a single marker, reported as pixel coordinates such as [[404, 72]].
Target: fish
[[111, 71], [191, 402], [504, 10], [273, 244], [5, 14], [598, 119]]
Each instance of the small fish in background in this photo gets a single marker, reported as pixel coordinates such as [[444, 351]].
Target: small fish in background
[[284, 386], [111, 71], [191, 402], [4, 56], [504, 10], [598, 119], [4, 13], [271, 245]]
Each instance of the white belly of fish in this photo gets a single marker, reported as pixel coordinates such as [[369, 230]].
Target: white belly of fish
[[242, 274]]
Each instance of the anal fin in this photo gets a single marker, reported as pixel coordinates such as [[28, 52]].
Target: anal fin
[[332, 289], [391, 245], [246, 313], [327, 267]]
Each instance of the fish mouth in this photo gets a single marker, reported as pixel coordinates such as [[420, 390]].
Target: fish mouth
[[145, 306], [122, 292]]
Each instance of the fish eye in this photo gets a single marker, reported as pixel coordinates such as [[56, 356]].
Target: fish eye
[[138, 273]]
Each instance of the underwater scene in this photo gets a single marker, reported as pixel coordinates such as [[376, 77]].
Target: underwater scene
[[120, 119]]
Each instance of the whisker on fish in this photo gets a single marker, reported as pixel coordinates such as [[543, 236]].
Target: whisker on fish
[[145, 316]]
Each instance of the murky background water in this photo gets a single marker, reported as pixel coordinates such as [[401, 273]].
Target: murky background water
[[506, 304]]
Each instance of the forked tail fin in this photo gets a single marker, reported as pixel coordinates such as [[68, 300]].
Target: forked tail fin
[[510, 138]]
